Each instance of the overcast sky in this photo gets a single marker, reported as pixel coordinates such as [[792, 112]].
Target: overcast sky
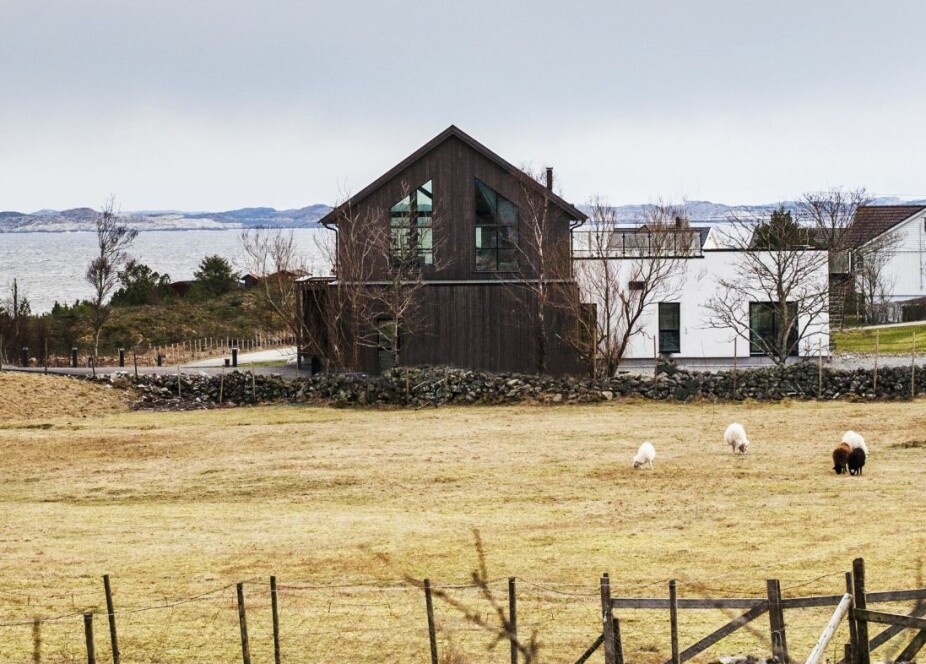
[[219, 104]]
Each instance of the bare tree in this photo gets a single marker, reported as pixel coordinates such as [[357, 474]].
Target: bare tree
[[777, 280], [490, 616], [14, 322], [381, 261], [625, 273], [273, 256], [406, 246], [351, 252], [113, 238], [873, 281], [543, 263], [831, 214]]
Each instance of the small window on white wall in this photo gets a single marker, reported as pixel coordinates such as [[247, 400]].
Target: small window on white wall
[[670, 328]]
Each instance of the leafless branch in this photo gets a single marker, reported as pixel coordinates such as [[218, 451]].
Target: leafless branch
[[625, 272], [113, 239], [776, 270]]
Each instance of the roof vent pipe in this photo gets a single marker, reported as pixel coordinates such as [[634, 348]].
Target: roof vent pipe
[[550, 178]]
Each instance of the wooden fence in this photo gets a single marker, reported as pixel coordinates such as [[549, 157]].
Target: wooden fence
[[852, 604]]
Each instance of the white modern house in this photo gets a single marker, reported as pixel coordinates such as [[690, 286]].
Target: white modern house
[[679, 321], [899, 233]]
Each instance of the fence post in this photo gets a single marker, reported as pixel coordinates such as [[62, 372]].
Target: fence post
[[819, 370], [877, 348], [735, 353], [862, 652], [618, 646], [243, 622], [112, 618], [913, 368], [276, 620], [234, 353], [88, 637], [513, 619], [610, 654], [122, 358], [432, 632], [36, 641], [777, 621], [673, 619], [853, 636], [73, 358]]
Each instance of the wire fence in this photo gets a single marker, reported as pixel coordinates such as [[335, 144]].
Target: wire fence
[[375, 622]]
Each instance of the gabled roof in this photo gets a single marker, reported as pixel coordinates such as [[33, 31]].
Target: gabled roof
[[873, 220], [450, 132]]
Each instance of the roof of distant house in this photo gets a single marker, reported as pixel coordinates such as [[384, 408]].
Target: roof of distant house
[[873, 220]]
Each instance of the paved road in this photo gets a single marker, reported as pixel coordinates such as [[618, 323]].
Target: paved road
[[213, 366], [287, 355]]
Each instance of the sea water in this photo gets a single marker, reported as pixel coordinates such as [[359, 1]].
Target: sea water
[[50, 267]]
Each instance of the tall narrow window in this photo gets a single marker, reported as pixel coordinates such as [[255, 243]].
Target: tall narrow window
[[385, 335], [411, 227], [496, 230], [765, 324], [670, 330]]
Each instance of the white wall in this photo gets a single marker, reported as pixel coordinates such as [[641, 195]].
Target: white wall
[[696, 286], [905, 268]]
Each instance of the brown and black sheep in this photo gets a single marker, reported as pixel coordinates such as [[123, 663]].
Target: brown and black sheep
[[856, 461], [841, 458]]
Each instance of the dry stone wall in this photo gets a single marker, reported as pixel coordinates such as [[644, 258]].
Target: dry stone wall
[[436, 386]]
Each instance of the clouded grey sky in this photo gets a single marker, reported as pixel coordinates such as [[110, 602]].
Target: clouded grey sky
[[218, 104]]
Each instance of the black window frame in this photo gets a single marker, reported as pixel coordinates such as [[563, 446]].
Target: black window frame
[[670, 339], [417, 222], [756, 347], [495, 239]]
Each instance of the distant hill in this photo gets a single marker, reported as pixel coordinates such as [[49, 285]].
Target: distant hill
[[706, 211], [84, 219]]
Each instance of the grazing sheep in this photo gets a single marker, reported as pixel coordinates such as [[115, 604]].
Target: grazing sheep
[[645, 456], [841, 458], [735, 437], [855, 441], [856, 460]]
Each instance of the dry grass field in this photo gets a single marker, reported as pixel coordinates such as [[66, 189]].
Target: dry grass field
[[178, 506], [31, 396]]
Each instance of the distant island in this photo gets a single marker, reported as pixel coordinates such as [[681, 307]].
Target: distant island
[[84, 219]]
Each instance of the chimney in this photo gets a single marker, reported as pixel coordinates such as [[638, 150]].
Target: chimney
[[550, 178]]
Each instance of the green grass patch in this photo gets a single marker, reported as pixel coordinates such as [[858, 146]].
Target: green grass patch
[[896, 340]]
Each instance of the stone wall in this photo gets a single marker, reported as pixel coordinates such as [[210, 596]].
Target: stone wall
[[420, 387]]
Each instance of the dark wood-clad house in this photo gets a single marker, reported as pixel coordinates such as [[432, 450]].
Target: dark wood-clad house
[[453, 257]]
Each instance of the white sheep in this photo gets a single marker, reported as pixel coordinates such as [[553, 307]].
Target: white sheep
[[855, 442], [735, 437], [645, 456]]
